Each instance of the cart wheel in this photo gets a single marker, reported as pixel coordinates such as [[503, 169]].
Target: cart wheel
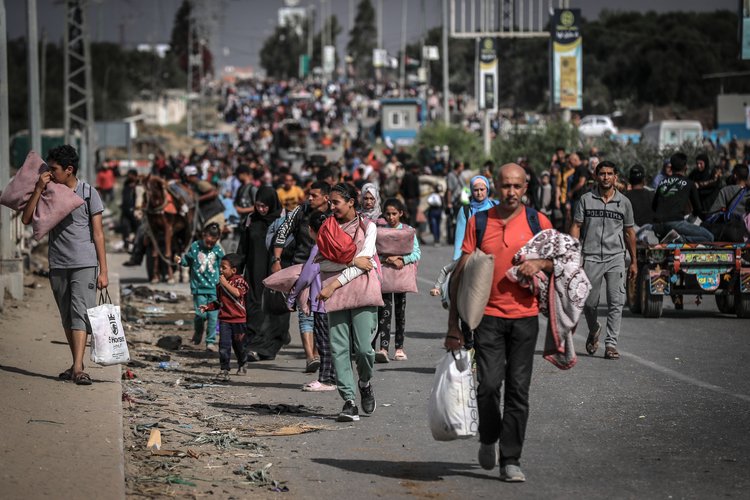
[[725, 303], [651, 305], [742, 305], [634, 294]]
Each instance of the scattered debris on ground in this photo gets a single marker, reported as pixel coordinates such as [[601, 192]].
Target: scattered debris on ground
[[185, 433]]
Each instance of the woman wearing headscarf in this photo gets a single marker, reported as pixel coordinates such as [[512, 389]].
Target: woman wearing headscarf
[[267, 333], [707, 180], [480, 200], [370, 202]]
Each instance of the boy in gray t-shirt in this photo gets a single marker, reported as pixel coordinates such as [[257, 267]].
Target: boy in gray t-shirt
[[76, 253]]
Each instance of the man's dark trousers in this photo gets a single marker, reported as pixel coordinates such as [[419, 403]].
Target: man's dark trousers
[[505, 352]]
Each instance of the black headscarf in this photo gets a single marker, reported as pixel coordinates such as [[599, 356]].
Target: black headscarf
[[267, 195], [707, 174]]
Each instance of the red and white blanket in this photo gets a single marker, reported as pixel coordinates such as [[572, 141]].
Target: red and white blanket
[[561, 295]]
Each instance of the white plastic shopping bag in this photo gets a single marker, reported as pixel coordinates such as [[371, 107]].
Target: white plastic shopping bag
[[108, 345], [452, 408]]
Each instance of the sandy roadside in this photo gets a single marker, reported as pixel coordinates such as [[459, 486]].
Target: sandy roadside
[[58, 440]]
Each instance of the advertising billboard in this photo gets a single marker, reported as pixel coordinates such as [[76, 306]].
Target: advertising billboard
[[487, 66], [567, 59]]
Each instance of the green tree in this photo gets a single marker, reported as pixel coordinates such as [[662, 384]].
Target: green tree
[[333, 28], [179, 42], [464, 145], [536, 144], [363, 39], [280, 53], [118, 77]]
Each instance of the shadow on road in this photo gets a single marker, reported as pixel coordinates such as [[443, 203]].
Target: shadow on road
[[273, 409], [427, 370], [21, 371], [415, 471], [425, 335], [684, 314]]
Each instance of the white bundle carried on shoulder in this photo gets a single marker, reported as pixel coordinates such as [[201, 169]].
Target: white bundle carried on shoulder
[[452, 408]]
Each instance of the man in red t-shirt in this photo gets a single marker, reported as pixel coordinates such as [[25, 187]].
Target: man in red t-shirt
[[505, 340]]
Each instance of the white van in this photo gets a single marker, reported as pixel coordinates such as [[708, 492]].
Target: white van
[[672, 132]]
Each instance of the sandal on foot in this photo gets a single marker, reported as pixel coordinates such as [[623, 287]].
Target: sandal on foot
[[66, 375], [317, 386], [611, 353], [592, 342], [82, 378], [400, 355], [312, 365], [381, 356]]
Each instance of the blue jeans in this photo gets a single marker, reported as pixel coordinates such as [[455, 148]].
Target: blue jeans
[[435, 216], [306, 322], [206, 319], [689, 232], [231, 337]]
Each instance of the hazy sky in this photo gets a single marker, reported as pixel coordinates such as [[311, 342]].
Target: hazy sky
[[242, 25]]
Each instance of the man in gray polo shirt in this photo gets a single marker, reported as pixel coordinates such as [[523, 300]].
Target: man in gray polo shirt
[[603, 221]]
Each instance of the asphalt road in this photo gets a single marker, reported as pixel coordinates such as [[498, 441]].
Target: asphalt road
[[668, 420]]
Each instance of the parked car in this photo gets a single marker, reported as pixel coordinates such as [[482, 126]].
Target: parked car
[[597, 125]]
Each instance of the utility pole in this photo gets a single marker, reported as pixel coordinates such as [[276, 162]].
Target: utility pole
[[188, 102], [402, 79], [379, 69], [32, 39], [310, 30], [11, 267], [79, 100], [351, 15], [446, 108], [201, 44], [43, 79], [380, 24], [323, 34], [6, 246]]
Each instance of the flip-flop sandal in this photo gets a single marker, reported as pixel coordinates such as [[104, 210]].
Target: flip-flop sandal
[[611, 353], [66, 375], [82, 378], [592, 342]]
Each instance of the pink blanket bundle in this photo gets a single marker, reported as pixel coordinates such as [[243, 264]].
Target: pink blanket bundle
[[561, 295], [56, 202]]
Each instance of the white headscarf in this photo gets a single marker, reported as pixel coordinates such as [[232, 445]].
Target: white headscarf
[[374, 213]]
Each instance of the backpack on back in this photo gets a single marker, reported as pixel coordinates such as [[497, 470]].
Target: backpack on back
[[273, 230], [532, 218]]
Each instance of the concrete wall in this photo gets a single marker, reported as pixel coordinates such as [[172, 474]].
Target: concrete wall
[[730, 114], [169, 109], [11, 280]]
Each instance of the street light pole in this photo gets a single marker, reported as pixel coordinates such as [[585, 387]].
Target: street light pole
[[11, 267], [32, 38], [446, 109], [6, 246], [402, 79], [189, 77]]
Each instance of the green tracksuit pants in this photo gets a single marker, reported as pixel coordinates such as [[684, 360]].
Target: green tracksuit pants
[[352, 328]]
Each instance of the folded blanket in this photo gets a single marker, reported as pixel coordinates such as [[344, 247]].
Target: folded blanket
[[561, 295], [56, 202]]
